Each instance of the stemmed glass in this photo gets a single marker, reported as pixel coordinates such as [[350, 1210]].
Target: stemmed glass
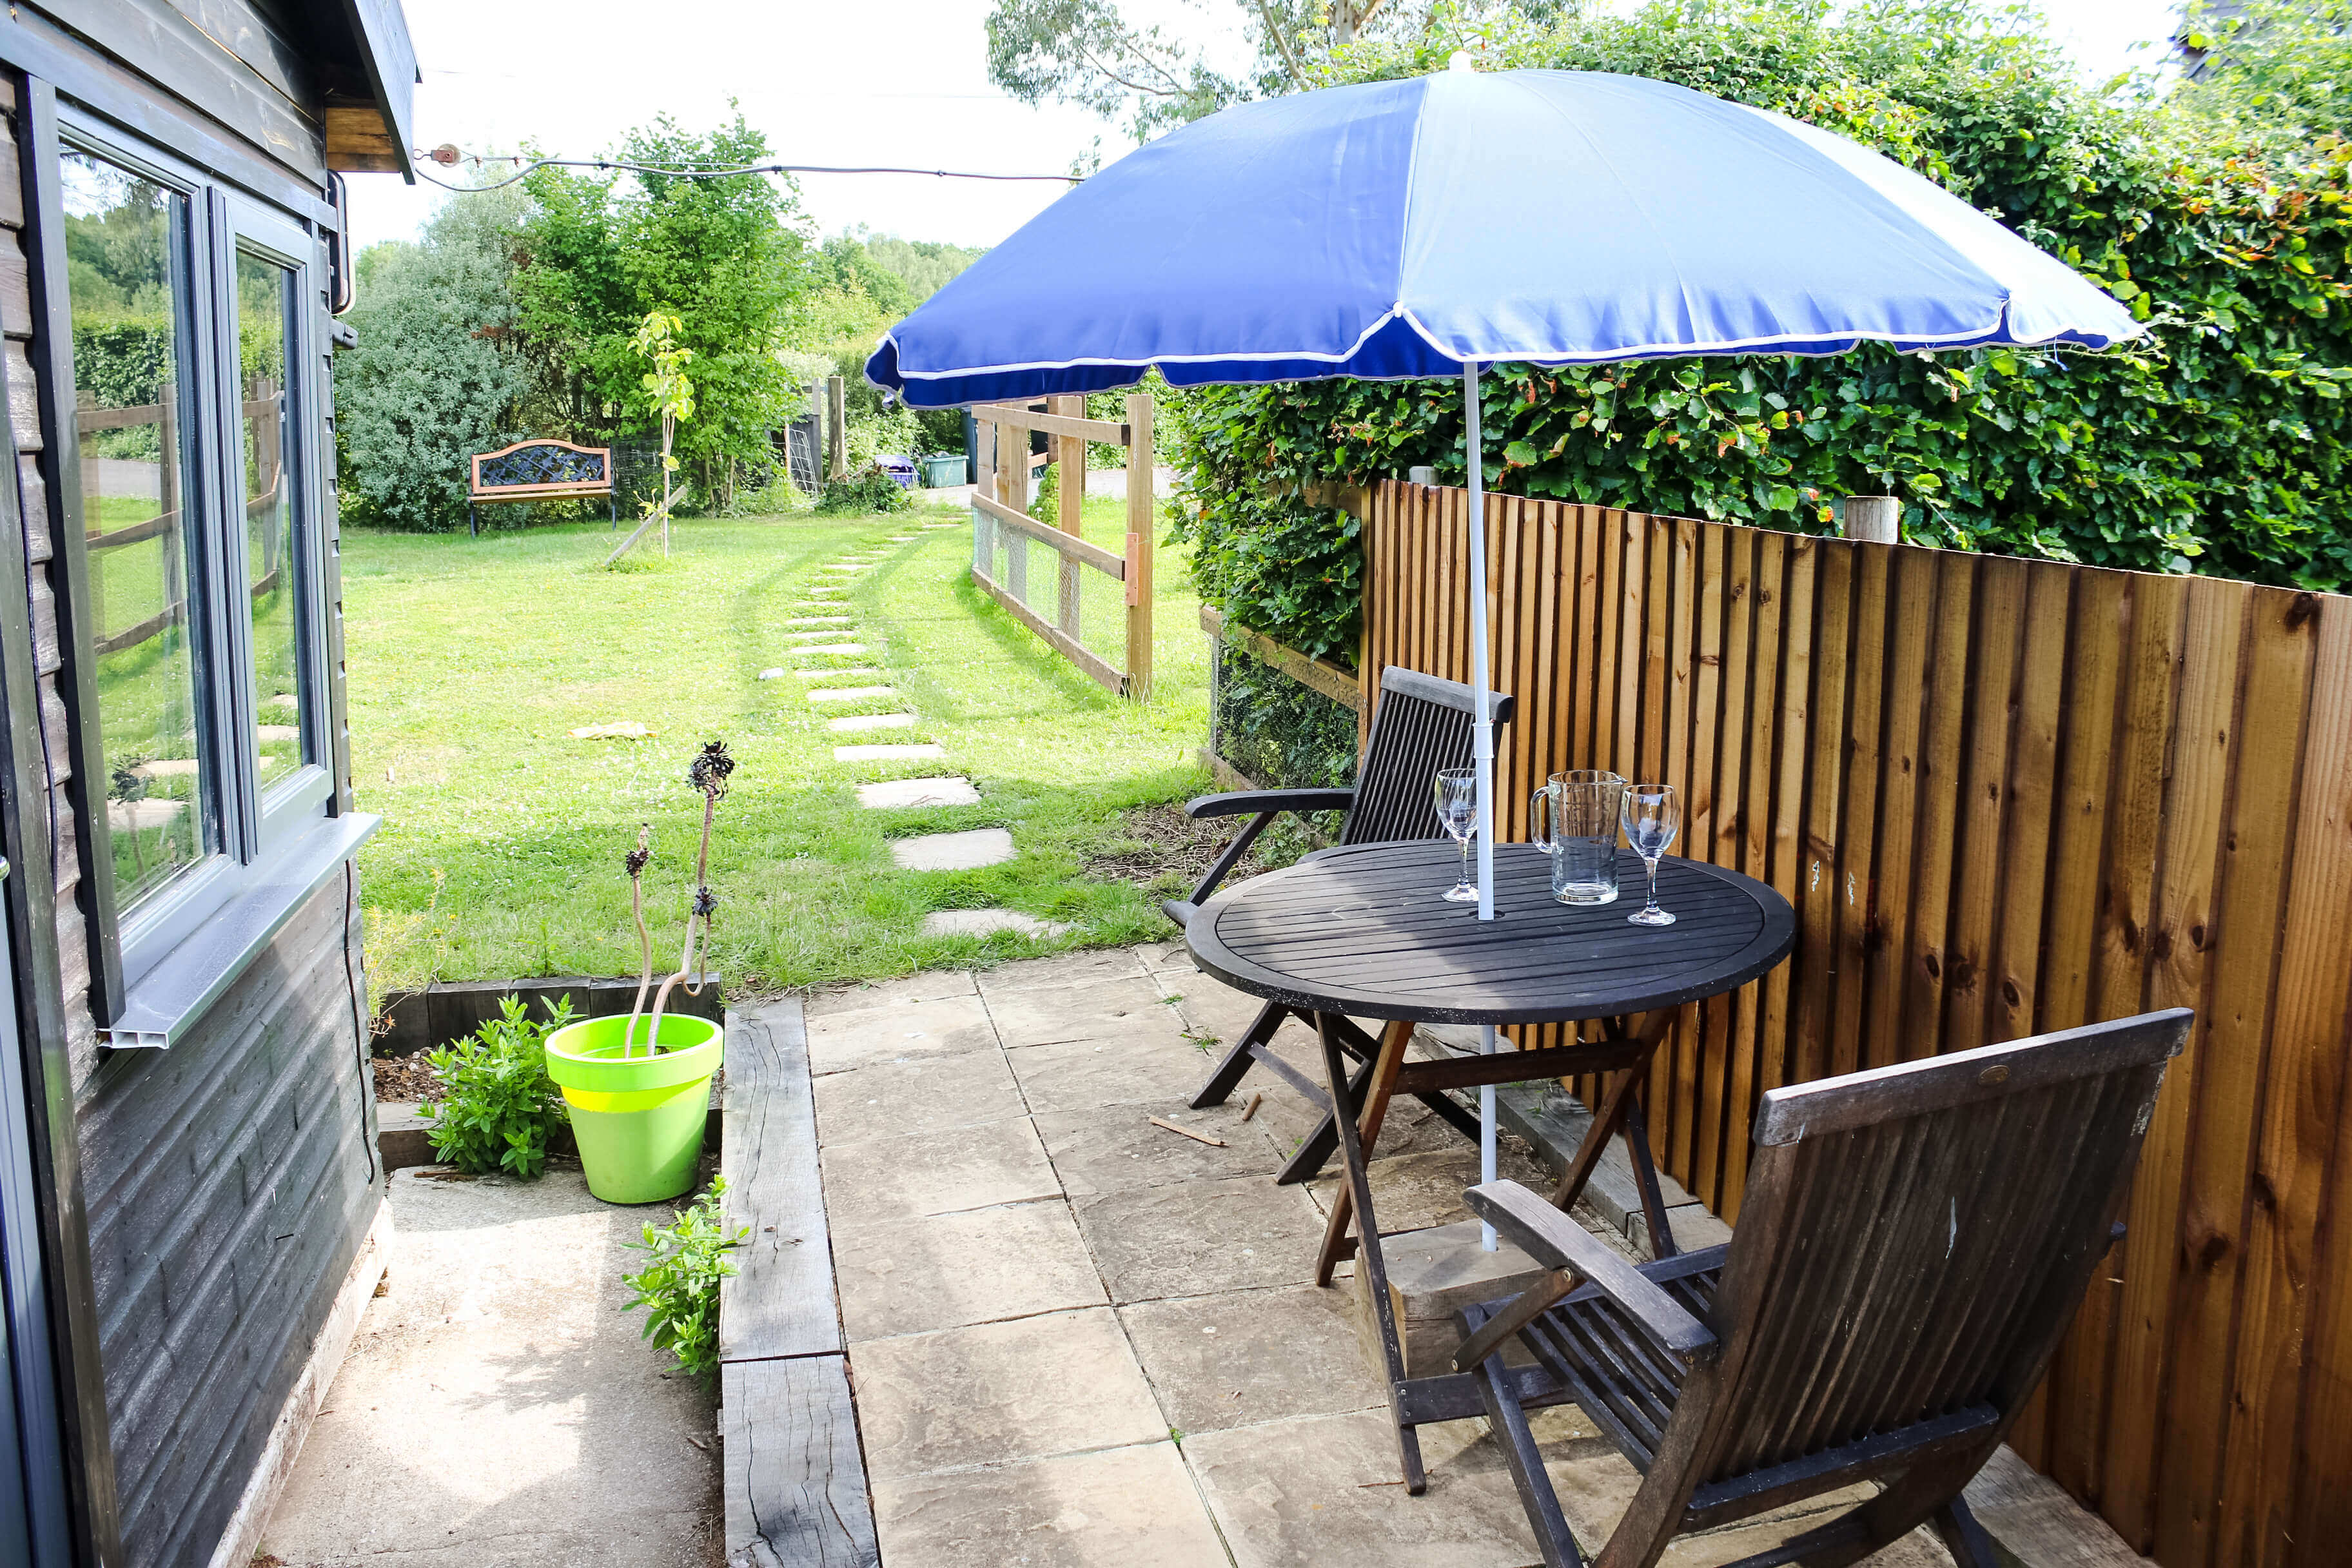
[[1651, 815], [1457, 812]]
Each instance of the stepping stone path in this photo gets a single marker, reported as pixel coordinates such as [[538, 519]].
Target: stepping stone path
[[821, 625], [901, 794], [985, 922], [953, 851]]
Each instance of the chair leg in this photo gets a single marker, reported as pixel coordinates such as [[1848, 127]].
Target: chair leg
[[1228, 1075], [1508, 1418], [1963, 1537]]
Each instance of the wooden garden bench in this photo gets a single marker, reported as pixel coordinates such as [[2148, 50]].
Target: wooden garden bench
[[545, 469], [1914, 1242], [1423, 724]]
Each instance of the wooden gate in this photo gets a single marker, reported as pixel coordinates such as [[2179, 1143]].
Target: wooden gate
[[2004, 796], [1000, 522]]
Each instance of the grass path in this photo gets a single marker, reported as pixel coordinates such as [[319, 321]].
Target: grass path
[[470, 661]]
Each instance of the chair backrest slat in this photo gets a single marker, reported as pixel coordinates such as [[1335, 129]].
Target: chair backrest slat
[[1422, 724], [1917, 1237]]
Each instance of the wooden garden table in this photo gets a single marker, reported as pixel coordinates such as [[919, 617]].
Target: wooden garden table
[[1364, 931]]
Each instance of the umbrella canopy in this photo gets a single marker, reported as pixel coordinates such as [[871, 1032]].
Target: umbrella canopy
[[1422, 227], [1407, 228]]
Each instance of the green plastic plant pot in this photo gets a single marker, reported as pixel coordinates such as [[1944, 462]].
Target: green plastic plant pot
[[638, 1118]]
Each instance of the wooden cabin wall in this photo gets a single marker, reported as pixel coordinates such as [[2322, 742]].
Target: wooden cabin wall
[[2004, 796], [229, 1181]]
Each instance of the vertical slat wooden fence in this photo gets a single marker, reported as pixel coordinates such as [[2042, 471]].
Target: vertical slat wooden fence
[[2004, 796]]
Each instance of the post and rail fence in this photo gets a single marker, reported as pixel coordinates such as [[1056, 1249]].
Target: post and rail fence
[[2005, 796], [1002, 527]]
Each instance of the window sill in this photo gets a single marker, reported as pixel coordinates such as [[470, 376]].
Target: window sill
[[183, 986]]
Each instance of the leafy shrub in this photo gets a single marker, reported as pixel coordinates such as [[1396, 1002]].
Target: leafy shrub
[[870, 488], [678, 1286], [500, 1104]]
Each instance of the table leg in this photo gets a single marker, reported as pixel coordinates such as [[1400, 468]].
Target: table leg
[[1623, 1111], [1393, 1040], [1372, 1269]]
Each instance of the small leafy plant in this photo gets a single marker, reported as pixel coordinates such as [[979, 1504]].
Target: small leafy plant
[[871, 489], [500, 1104], [678, 1286]]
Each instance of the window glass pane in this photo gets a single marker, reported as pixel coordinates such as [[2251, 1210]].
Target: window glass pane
[[126, 240], [265, 296]]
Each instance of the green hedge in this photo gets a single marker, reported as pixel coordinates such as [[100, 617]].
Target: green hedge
[[2219, 445]]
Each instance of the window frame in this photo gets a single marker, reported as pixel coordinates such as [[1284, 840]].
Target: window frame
[[257, 833]]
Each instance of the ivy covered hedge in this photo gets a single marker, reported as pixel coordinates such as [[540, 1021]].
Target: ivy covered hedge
[[2219, 445]]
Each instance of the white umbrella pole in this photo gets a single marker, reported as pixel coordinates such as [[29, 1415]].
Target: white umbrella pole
[[1481, 749]]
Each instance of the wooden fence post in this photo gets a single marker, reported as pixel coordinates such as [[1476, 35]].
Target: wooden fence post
[[1070, 460], [1873, 519], [836, 428], [1140, 537]]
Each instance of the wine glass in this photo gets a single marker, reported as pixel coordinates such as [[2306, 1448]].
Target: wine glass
[[1651, 815], [1457, 812]]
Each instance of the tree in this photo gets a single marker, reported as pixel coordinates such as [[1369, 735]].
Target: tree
[[1091, 53], [725, 255], [438, 369]]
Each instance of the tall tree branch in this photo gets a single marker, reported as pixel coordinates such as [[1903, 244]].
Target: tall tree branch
[[1282, 42]]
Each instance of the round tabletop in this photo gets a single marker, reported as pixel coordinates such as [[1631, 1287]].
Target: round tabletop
[[1366, 930]]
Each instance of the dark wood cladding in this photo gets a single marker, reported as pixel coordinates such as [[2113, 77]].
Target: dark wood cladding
[[2005, 797], [229, 1183]]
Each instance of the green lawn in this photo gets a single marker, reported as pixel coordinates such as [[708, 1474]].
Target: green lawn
[[500, 854]]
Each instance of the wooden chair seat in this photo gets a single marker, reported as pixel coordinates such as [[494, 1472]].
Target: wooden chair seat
[[1594, 1350]]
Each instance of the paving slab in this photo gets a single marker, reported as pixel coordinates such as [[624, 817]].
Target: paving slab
[[1114, 1149], [819, 621], [988, 922], [928, 985], [1306, 1494], [1199, 1239], [1056, 1383], [917, 1097], [1148, 1070], [809, 639], [1248, 1356], [1123, 1508], [849, 693], [951, 851], [841, 1038], [878, 1180], [948, 1271], [888, 753], [1065, 968], [897, 794], [498, 1405], [871, 722], [837, 672], [1118, 1008]]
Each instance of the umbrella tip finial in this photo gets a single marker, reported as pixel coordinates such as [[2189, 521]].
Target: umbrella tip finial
[[1460, 60]]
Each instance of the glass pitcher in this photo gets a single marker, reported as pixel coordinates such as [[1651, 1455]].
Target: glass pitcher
[[1574, 819]]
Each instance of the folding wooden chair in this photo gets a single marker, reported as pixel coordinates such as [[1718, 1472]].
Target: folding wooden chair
[[1914, 1242], [1421, 725]]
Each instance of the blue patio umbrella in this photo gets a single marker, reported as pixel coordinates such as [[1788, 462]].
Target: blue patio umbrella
[[1427, 226]]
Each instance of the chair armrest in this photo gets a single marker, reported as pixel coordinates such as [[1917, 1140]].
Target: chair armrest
[[1558, 1242], [1243, 802]]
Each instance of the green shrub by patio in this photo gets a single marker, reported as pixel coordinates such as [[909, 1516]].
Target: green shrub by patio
[[639, 1103], [498, 1104]]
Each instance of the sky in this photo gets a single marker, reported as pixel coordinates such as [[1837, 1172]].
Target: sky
[[900, 82]]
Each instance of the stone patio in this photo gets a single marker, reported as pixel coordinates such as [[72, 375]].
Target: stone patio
[[1078, 1338]]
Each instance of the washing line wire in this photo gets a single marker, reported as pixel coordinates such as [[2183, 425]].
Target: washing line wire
[[710, 172]]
